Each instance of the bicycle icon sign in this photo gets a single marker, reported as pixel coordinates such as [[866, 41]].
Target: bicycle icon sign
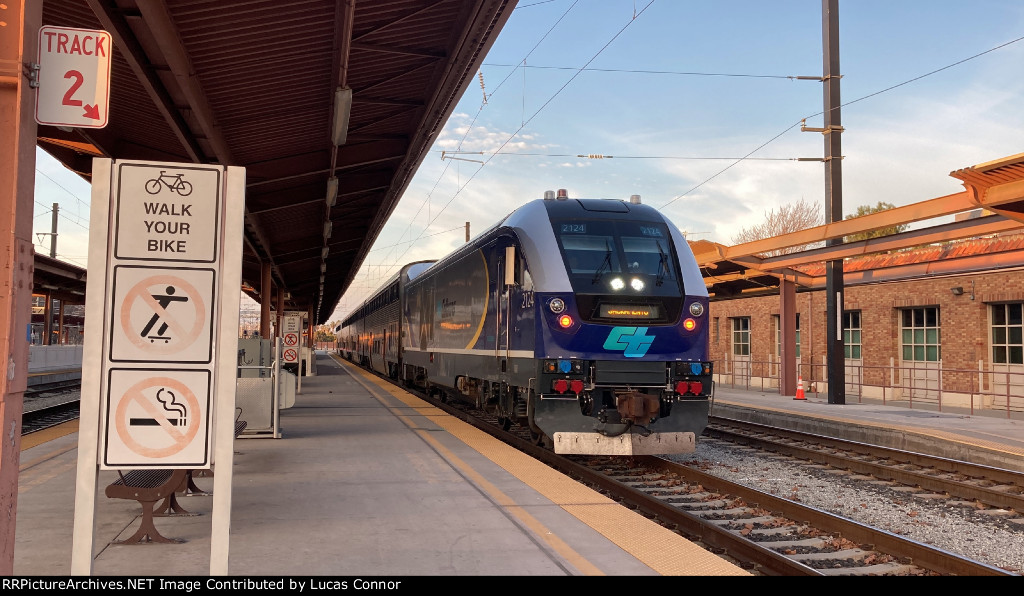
[[174, 183]]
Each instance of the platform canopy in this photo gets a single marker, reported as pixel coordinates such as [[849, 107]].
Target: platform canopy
[[302, 94]]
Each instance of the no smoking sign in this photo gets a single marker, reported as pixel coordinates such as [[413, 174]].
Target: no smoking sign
[[158, 417]]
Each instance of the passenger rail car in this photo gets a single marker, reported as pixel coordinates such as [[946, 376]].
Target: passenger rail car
[[584, 320]]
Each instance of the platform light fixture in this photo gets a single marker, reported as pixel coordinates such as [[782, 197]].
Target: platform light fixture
[[332, 191], [342, 111], [328, 228]]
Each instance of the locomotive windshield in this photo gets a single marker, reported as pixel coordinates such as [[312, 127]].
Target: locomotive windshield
[[622, 257]]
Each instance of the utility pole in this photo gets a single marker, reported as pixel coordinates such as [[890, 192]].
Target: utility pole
[[53, 231], [833, 202], [467, 231]]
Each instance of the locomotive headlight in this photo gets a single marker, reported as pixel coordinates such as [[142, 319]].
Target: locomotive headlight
[[617, 283], [556, 305], [696, 309], [637, 284]]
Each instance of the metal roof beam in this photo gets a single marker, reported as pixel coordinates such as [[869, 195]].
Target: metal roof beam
[[408, 15], [419, 53], [110, 17], [992, 224], [157, 17], [938, 207]]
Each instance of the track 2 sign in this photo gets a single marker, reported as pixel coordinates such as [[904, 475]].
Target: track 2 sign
[[74, 77]]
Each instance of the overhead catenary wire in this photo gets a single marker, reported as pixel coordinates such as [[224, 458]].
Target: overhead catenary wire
[[540, 109], [842, 105]]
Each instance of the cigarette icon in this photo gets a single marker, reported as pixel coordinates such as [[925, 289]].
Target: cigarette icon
[[153, 422]]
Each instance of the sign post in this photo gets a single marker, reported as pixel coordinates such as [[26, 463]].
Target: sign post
[[73, 77], [159, 365]]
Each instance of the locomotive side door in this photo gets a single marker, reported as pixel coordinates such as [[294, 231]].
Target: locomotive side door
[[500, 304], [504, 277], [507, 279]]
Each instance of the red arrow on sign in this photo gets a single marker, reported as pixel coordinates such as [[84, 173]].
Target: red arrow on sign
[[92, 111]]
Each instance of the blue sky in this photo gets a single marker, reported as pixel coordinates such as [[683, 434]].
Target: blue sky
[[678, 92]]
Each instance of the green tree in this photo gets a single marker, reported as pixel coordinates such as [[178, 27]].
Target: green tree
[[324, 332], [868, 210]]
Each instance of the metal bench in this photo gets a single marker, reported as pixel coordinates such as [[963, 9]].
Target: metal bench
[[147, 487], [150, 486]]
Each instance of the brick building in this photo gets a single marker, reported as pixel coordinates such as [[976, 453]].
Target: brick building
[[939, 323]]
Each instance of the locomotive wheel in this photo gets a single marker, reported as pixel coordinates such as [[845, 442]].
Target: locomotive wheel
[[504, 422]]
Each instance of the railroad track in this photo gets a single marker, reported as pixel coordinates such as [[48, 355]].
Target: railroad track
[[763, 533], [49, 416], [960, 482], [51, 404]]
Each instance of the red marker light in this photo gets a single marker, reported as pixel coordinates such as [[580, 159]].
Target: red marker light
[[689, 324], [565, 321]]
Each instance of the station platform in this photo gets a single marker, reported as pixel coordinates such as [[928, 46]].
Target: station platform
[[366, 481], [987, 437]]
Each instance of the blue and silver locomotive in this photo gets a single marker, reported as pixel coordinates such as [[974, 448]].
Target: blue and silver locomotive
[[584, 320]]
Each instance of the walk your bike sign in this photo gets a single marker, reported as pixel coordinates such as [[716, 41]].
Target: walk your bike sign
[[167, 212]]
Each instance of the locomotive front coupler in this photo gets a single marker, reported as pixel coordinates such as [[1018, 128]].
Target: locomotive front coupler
[[637, 407]]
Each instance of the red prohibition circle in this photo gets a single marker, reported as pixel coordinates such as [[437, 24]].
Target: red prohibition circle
[[140, 292], [179, 440]]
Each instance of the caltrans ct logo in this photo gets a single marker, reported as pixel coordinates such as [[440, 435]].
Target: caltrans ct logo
[[633, 341]]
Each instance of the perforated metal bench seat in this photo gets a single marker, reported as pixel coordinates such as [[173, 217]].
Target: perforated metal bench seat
[[147, 487]]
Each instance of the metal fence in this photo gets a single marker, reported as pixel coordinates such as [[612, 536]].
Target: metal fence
[[989, 389]]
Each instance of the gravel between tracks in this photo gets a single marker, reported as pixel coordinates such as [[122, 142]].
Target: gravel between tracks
[[991, 538]]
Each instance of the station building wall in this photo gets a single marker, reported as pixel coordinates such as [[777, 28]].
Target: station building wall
[[947, 330]]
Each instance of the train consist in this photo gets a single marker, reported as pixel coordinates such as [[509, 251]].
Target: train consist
[[583, 320]]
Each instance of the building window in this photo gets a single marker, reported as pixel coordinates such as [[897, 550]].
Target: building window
[[851, 334], [1007, 334], [778, 335], [741, 336], [921, 335]]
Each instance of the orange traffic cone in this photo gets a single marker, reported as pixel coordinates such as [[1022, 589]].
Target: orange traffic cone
[[800, 388]]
